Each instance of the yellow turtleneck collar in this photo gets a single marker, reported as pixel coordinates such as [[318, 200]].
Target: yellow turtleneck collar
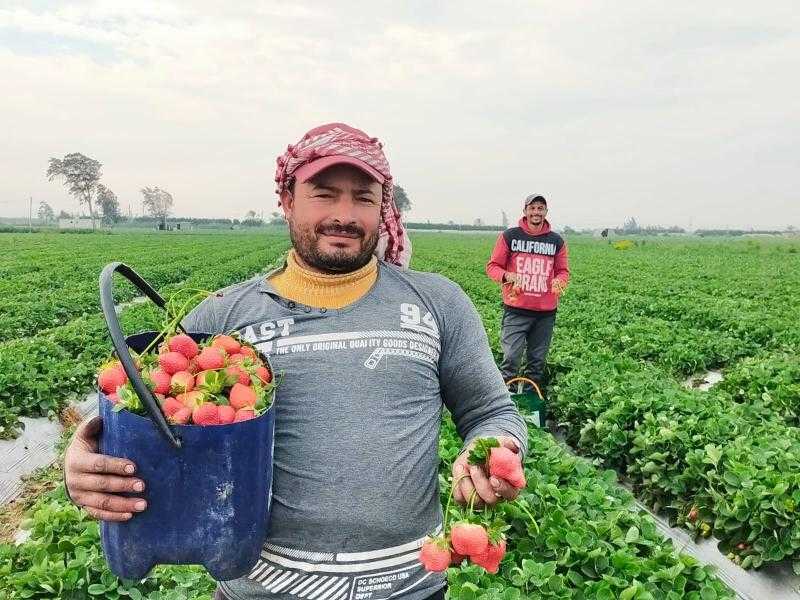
[[323, 291]]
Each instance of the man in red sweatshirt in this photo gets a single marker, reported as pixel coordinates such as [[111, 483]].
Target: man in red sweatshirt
[[530, 262]]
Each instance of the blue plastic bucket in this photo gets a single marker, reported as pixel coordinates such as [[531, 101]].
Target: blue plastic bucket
[[208, 489]]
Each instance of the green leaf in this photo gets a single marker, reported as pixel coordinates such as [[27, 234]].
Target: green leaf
[[708, 593], [629, 593], [713, 454], [96, 589], [632, 535], [480, 452]]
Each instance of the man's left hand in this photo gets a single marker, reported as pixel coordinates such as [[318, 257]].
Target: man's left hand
[[559, 287], [489, 490]]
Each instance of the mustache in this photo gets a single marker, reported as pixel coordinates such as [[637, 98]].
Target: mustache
[[350, 229]]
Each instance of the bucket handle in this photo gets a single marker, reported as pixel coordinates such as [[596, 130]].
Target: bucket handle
[[121, 346], [526, 380]]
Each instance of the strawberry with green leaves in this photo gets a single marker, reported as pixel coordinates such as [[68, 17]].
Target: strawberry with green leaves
[[495, 549], [468, 538], [220, 381], [184, 344], [181, 382], [211, 358], [111, 376], [435, 554], [498, 461]]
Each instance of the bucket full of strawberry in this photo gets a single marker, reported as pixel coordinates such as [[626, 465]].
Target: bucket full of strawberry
[[195, 412]]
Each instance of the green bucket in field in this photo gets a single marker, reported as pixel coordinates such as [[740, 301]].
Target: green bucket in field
[[529, 397]]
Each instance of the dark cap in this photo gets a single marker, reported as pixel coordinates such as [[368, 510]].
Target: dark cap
[[534, 198]]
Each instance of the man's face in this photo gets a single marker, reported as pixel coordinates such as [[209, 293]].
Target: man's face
[[334, 219], [535, 212]]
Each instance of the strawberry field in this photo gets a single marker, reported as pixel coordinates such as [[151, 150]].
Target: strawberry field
[[53, 335], [633, 326]]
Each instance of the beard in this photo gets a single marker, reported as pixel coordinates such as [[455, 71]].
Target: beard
[[306, 243]]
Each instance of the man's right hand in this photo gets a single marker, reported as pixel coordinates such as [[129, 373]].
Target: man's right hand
[[93, 480]]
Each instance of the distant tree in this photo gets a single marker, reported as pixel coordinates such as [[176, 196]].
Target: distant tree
[[631, 226], [109, 205], [64, 214], [250, 214], [46, 214], [158, 203], [276, 218], [401, 199], [81, 175]]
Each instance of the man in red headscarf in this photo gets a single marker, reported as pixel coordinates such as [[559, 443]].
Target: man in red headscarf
[[370, 353]]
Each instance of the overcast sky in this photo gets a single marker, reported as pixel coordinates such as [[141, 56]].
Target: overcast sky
[[683, 113]]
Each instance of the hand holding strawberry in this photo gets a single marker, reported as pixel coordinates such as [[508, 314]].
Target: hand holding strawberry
[[478, 537], [476, 475]]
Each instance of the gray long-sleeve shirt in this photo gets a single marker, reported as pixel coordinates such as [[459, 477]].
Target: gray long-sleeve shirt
[[358, 411]]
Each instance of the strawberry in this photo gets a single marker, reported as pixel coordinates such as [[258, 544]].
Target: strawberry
[[200, 378], [171, 405], [180, 417], [490, 559], [206, 414], [244, 414], [505, 464], [193, 368], [236, 358], [172, 362], [184, 344], [227, 343], [263, 374], [469, 539], [242, 396], [158, 381], [191, 400], [235, 371], [111, 377], [247, 351], [182, 382], [227, 414], [435, 554], [211, 358]]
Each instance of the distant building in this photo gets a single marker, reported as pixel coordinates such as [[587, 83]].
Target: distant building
[[75, 223]]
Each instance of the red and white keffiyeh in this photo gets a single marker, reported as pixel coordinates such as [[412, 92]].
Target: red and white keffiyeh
[[338, 139]]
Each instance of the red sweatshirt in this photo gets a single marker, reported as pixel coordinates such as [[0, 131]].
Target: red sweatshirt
[[540, 258]]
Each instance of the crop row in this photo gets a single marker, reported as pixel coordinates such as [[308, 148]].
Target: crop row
[[56, 287]]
